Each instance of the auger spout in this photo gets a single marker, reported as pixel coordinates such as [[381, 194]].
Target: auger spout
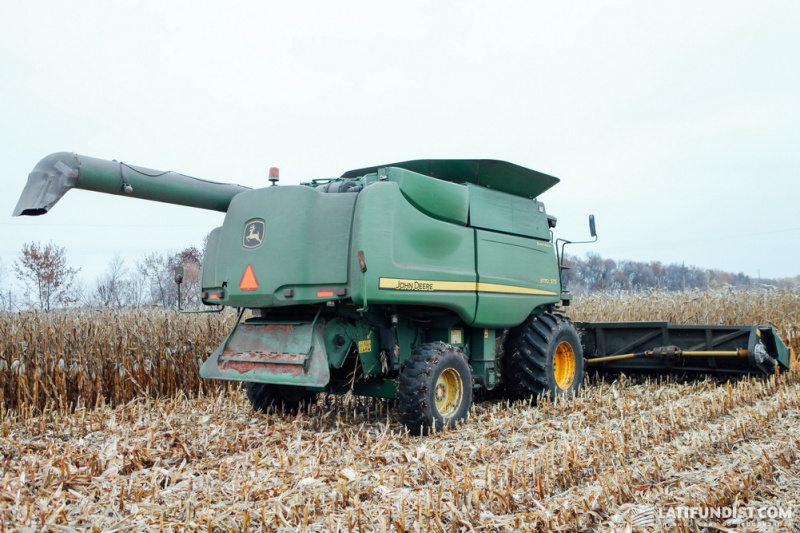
[[57, 173]]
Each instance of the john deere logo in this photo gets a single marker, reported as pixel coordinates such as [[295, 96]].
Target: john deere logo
[[253, 234]]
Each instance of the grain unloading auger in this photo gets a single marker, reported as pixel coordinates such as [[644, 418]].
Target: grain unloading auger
[[58, 173], [420, 281]]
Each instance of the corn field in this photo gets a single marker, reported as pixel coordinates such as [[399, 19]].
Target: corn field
[[63, 360], [106, 427], [778, 308]]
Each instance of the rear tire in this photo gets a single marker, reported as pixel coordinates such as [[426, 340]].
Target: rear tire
[[435, 388], [264, 396], [543, 357]]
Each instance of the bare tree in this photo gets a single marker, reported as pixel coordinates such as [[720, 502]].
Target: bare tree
[[111, 288], [156, 269], [44, 271], [135, 289], [191, 260], [5, 298]]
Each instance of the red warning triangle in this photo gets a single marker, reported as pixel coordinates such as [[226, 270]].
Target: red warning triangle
[[249, 281]]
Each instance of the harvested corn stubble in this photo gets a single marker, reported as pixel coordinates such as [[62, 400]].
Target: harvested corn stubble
[[178, 454]]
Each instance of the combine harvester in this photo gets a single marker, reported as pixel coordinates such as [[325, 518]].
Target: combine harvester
[[422, 281]]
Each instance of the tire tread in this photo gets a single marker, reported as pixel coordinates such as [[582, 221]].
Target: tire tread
[[527, 357]]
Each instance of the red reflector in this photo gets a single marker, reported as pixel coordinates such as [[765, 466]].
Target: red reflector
[[324, 293], [213, 296], [249, 281]]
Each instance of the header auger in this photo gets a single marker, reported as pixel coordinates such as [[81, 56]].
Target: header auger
[[421, 281]]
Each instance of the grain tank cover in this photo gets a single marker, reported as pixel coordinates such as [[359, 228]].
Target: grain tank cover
[[491, 173]]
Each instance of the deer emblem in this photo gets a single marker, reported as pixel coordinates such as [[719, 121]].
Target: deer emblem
[[253, 234]]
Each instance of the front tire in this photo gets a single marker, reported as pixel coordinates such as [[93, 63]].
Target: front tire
[[543, 357], [435, 388], [264, 396]]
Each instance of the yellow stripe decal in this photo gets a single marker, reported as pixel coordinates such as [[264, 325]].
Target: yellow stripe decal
[[424, 285], [396, 284], [513, 289]]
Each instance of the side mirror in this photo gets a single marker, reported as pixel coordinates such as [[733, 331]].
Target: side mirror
[[592, 229], [179, 275]]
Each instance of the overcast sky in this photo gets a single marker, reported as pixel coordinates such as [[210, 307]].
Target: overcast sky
[[676, 123]]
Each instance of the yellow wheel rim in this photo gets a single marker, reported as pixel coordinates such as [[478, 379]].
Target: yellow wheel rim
[[564, 365], [449, 393]]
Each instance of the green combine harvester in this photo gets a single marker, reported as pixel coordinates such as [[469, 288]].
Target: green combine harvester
[[422, 281]]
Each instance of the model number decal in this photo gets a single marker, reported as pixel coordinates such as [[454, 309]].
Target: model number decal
[[548, 281]]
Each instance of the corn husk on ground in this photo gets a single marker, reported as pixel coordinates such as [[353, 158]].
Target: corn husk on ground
[[618, 457]]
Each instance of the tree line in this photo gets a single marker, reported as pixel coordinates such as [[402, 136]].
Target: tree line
[[595, 273], [48, 281]]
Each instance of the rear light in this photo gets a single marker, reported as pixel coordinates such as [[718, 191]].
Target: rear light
[[330, 293], [215, 295]]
